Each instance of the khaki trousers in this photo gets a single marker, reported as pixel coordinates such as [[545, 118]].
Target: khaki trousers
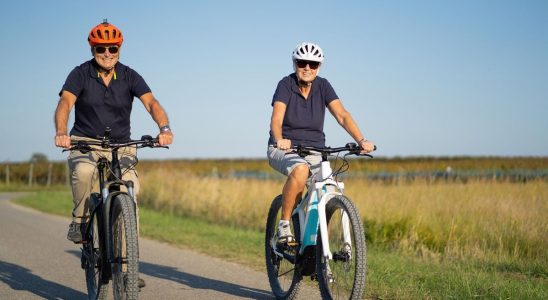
[[85, 176]]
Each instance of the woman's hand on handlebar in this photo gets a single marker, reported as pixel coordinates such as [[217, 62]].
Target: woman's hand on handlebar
[[62, 141], [284, 144], [366, 146]]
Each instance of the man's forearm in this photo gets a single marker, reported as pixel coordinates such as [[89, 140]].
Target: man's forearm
[[61, 118], [159, 115]]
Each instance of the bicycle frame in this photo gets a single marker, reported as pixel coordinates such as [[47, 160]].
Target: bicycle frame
[[312, 210], [110, 189], [101, 207]]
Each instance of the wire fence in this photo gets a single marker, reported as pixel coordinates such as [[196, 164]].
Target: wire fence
[[57, 173], [34, 173]]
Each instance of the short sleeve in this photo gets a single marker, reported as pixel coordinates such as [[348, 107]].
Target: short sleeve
[[283, 92], [329, 93], [74, 82], [138, 85]]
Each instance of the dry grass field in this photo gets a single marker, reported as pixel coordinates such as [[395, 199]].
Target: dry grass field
[[447, 220]]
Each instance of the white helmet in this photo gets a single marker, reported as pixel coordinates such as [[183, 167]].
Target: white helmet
[[308, 51]]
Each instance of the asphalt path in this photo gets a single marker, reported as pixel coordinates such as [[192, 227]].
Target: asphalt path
[[38, 262]]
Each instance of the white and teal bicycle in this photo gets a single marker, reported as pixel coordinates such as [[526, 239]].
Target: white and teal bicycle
[[329, 233]]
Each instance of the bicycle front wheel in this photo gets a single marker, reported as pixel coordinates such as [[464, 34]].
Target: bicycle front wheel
[[125, 247], [343, 276], [284, 278], [92, 263]]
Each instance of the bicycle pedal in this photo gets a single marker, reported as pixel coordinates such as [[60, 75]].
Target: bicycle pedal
[[289, 246], [292, 244]]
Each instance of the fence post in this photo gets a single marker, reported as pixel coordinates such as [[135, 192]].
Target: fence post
[[50, 168], [7, 174], [31, 173]]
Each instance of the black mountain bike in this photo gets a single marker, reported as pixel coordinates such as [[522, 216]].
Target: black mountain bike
[[110, 247]]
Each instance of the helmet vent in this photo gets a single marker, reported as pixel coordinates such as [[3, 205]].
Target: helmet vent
[[105, 33]]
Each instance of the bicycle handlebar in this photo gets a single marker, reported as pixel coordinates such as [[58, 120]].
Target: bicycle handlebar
[[105, 143], [352, 148]]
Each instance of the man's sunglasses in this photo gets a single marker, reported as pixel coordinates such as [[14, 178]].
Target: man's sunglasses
[[302, 64], [103, 49]]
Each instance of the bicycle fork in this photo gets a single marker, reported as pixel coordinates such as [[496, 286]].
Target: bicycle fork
[[343, 254]]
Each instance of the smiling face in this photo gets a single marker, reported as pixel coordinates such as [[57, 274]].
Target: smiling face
[[306, 71], [106, 56]]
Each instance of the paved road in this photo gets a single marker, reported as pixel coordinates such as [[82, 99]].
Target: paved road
[[37, 261]]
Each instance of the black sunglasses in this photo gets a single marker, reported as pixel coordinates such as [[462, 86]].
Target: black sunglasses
[[103, 49], [302, 64]]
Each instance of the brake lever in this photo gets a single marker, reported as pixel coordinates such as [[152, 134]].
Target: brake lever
[[81, 146]]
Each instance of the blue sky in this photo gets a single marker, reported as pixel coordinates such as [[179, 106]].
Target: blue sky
[[440, 78]]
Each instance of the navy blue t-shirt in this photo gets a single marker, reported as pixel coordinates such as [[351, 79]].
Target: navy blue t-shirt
[[98, 106], [304, 118]]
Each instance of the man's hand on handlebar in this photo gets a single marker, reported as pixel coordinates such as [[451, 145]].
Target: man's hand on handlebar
[[165, 138], [62, 141]]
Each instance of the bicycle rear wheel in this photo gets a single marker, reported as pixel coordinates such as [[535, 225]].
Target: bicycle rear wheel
[[342, 277], [125, 247], [282, 274], [92, 261]]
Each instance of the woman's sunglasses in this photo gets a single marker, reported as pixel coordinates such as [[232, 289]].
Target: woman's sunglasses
[[103, 49], [302, 64]]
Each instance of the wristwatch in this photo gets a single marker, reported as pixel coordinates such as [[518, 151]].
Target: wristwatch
[[165, 128]]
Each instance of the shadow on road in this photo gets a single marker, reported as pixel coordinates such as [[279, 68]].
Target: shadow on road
[[197, 282], [19, 278]]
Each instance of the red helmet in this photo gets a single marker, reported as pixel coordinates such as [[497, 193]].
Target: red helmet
[[105, 33]]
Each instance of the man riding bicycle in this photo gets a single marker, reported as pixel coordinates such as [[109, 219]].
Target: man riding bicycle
[[299, 104], [102, 91]]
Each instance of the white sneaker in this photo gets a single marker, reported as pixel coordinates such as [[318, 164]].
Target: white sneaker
[[284, 234]]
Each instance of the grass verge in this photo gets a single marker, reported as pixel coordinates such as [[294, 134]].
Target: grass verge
[[391, 275]]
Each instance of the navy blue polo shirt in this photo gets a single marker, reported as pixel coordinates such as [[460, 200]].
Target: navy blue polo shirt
[[99, 106], [304, 118]]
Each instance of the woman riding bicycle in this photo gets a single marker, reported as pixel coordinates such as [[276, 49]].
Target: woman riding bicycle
[[298, 115]]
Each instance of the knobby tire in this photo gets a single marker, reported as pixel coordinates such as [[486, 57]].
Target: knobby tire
[[344, 276], [92, 263], [125, 264], [283, 276]]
